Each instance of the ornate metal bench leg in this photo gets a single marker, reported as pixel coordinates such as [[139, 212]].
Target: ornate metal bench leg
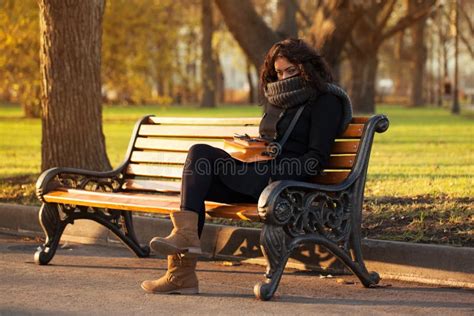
[[132, 240], [367, 278], [53, 227], [120, 223], [273, 245]]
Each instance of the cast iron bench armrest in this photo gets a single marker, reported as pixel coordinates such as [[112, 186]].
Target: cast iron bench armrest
[[269, 196], [75, 178]]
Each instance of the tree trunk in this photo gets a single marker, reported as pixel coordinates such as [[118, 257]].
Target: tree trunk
[[70, 58], [364, 72], [418, 68], [160, 84], [367, 38], [220, 80], [208, 70], [286, 19], [248, 28], [252, 87], [343, 19], [456, 108], [31, 100], [440, 61], [255, 37], [420, 53], [31, 109]]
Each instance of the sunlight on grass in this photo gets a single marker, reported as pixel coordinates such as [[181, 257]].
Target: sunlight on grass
[[425, 151]]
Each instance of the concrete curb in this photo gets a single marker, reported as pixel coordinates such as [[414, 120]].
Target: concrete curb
[[433, 264]]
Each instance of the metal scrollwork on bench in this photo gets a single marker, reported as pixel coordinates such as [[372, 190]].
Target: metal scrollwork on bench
[[78, 181], [296, 216], [317, 212], [303, 212], [111, 184]]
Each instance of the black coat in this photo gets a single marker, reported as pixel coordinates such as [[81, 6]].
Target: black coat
[[310, 141]]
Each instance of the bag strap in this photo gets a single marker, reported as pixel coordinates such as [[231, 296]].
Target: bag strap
[[292, 125]]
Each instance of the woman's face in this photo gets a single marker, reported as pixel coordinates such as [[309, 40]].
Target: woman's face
[[285, 69]]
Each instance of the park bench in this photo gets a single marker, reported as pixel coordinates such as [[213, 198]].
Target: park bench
[[326, 211]]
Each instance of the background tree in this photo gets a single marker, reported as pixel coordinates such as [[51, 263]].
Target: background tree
[[444, 43], [248, 28], [375, 27], [208, 66], [419, 54], [456, 108], [139, 50], [70, 59], [330, 27], [19, 60], [285, 20], [153, 53], [466, 26]]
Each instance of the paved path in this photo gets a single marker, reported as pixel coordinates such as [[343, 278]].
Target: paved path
[[85, 279]]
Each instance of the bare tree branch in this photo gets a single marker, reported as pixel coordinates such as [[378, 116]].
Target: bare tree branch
[[305, 17], [408, 20], [468, 20], [466, 43], [386, 13], [369, 22], [353, 45], [248, 28]]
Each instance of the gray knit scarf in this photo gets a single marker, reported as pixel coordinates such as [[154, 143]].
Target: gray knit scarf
[[293, 92]]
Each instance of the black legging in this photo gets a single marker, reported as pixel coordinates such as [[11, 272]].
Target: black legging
[[201, 182]]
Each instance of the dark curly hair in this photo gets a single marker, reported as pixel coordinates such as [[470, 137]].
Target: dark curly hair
[[314, 68]]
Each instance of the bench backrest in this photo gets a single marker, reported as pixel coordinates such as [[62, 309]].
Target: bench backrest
[[159, 146]]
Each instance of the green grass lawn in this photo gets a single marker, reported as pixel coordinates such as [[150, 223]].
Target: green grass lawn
[[425, 161], [425, 151]]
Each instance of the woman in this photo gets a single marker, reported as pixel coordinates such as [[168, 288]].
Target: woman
[[293, 75]]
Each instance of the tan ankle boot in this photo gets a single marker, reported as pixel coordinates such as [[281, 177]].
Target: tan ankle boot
[[184, 237], [180, 278]]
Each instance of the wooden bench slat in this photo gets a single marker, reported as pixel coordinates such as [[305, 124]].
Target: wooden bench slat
[[353, 131], [206, 120], [152, 185], [153, 203], [197, 131], [159, 157], [164, 157], [173, 144], [360, 119], [166, 171], [191, 131], [330, 177], [245, 213], [345, 147], [339, 147], [224, 120], [341, 162]]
